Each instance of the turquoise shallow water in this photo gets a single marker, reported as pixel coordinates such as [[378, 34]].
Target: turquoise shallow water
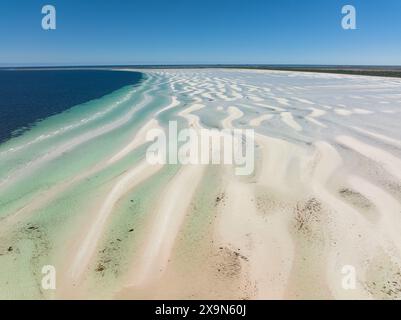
[[55, 157]]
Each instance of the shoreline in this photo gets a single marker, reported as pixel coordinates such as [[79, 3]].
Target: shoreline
[[368, 70]]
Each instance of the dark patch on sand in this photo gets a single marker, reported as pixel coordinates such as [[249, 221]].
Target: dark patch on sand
[[384, 281], [109, 260], [355, 198], [229, 262], [360, 202], [220, 200], [109, 256], [37, 236], [266, 202], [306, 214]]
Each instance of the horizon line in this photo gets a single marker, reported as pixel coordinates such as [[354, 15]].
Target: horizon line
[[202, 65]]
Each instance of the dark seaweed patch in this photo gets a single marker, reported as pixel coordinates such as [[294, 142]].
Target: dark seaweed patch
[[306, 214]]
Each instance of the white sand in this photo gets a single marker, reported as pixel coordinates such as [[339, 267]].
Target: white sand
[[318, 200], [258, 121], [88, 245], [165, 226], [288, 119], [391, 163]]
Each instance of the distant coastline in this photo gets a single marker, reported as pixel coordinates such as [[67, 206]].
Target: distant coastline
[[363, 70]]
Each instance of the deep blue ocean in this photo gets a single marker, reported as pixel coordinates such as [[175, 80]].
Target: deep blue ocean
[[27, 96]]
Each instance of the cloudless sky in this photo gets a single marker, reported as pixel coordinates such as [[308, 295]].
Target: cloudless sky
[[200, 31]]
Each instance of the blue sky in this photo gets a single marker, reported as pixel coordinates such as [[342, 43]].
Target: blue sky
[[200, 31]]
